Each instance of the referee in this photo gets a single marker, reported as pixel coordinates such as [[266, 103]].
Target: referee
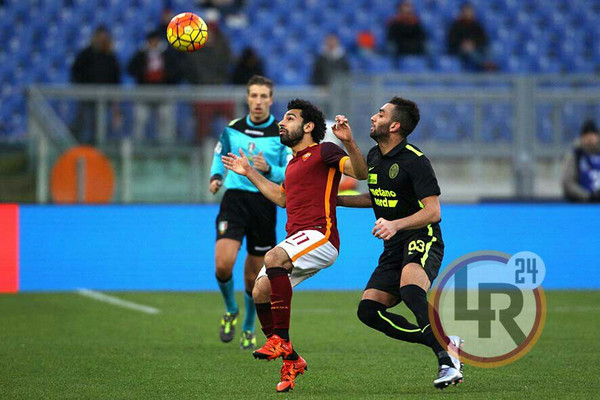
[[403, 192], [244, 210]]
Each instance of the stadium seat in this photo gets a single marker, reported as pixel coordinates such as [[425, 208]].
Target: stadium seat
[[378, 65], [449, 64], [526, 35], [413, 64], [546, 65]]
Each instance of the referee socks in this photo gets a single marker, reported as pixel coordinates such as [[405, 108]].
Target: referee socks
[[250, 316], [226, 288]]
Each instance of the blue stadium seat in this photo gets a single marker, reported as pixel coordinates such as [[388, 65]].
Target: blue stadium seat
[[581, 64], [546, 64], [448, 64], [378, 65], [516, 64], [413, 64]]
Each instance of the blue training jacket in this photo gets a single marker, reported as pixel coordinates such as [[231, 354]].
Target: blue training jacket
[[252, 139]]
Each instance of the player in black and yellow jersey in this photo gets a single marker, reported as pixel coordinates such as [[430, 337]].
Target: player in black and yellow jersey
[[403, 192]]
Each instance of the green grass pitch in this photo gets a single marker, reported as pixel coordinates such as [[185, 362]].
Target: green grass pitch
[[64, 346]]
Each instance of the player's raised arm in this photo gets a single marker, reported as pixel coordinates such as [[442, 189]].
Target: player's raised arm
[[362, 200], [356, 166], [241, 165]]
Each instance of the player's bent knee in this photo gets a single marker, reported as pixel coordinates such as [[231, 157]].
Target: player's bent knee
[[270, 258], [368, 312], [275, 258]]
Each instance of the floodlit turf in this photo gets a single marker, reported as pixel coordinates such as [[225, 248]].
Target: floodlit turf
[[66, 346]]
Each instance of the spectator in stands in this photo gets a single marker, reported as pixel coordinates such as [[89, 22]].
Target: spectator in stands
[[581, 170], [210, 66], [467, 39], [331, 62], [95, 64], [405, 34], [248, 65], [366, 43], [156, 63]]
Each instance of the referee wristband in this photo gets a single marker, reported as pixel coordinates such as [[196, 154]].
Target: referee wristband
[[269, 169]]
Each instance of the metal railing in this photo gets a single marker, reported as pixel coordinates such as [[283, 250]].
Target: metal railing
[[470, 165]]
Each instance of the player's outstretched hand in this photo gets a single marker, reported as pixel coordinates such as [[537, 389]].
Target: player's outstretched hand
[[341, 129], [238, 164], [384, 229]]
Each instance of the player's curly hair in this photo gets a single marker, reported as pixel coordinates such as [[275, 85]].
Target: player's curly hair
[[310, 113], [407, 113]]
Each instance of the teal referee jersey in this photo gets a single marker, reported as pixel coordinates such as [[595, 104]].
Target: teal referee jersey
[[252, 139]]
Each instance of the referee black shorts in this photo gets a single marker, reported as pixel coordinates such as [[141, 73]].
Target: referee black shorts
[[427, 251], [248, 214]]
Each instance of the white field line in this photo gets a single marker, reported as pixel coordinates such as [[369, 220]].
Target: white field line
[[116, 301]]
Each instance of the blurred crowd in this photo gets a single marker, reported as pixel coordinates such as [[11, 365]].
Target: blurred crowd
[[466, 37], [157, 63]]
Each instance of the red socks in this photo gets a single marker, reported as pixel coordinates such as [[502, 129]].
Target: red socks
[[281, 299], [265, 316]]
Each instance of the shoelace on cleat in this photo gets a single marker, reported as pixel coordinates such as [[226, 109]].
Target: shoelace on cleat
[[288, 372], [228, 318], [272, 345]]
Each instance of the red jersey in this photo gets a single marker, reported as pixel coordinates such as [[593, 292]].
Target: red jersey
[[311, 184]]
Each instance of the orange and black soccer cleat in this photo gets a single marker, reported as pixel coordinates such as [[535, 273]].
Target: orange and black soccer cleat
[[289, 371], [274, 348]]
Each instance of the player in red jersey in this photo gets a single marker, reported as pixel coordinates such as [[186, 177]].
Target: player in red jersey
[[309, 194]]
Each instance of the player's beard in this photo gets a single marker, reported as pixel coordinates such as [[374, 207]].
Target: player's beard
[[380, 132], [291, 138]]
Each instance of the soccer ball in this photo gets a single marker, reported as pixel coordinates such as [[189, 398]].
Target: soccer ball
[[187, 32]]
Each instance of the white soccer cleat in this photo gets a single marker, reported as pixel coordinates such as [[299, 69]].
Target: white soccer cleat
[[451, 375], [447, 376]]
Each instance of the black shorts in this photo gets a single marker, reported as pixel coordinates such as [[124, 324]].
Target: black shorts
[[248, 214], [421, 250]]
